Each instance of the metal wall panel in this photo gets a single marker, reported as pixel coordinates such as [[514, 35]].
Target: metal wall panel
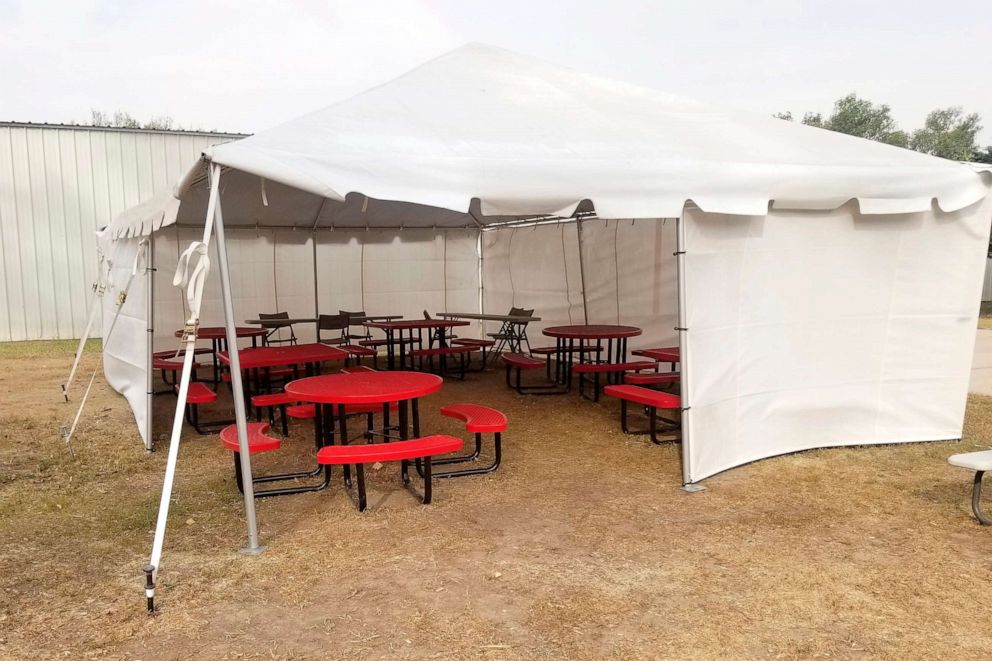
[[58, 185]]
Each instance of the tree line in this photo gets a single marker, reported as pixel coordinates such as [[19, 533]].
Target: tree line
[[946, 132]]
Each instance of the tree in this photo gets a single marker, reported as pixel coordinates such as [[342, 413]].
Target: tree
[[982, 155], [122, 119], [948, 133], [813, 119], [860, 117], [787, 115]]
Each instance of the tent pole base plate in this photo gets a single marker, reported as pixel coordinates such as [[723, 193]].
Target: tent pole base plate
[[693, 488], [258, 550]]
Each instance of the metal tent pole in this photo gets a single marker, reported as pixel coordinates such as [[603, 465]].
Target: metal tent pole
[[237, 387], [683, 332], [582, 270], [149, 340]]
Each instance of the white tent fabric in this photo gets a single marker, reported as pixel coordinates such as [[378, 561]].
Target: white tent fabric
[[816, 329], [124, 355]]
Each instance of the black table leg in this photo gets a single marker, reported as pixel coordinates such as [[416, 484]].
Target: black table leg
[[343, 430]]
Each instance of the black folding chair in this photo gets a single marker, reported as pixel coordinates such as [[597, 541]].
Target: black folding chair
[[512, 335], [338, 323], [275, 323], [352, 318]]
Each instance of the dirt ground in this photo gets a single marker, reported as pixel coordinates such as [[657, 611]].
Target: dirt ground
[[581, 546]]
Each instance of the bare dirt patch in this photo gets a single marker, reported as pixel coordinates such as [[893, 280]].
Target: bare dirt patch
[[581, 546]]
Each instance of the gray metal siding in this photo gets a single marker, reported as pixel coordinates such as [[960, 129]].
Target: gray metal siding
[[58, 185]]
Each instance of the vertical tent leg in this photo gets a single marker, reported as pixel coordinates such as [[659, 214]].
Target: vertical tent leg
[[237, 387], [582, 271], [683, 331], [150, 341]]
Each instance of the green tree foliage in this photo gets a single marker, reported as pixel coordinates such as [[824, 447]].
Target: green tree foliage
[[948, 133], [862, 118], [982, 155]]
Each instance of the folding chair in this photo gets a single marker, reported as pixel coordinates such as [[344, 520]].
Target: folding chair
[[512, 335], [275, 323], [333, 322], [351, 317]]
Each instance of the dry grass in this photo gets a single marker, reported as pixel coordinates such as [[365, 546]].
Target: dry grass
[[582, 546]]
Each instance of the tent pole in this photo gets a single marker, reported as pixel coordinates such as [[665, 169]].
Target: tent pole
[[237, 387], [149, 340], [479, 243], [316, 297], [683, 332], [582, 270], [189, 340]]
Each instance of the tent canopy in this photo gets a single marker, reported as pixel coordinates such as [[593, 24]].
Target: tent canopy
[[481, 135]]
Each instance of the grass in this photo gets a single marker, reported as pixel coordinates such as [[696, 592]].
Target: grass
[[581, 546], [985, 316]]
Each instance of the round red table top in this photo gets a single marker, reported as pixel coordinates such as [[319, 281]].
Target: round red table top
[[364, 387], [592, 331], [416, 323], [219, 332]]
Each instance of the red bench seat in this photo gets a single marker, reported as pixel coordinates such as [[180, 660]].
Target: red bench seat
[[652, 378], [416, 449], [551, 351], [472, 342], [198, 393], [258, 440], [477, 418], [652, 399], [442, 351], [662, 355], [522, 361], [605, 368], [167, 365], [612, 370], [273, 399], [645, 396]]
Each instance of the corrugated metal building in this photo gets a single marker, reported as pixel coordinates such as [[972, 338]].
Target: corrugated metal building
[[58, 184]]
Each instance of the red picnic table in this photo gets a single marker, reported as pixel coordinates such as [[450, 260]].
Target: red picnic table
[[218, 340], [343, 392], [260, 360], [580, 337], [397, 344]]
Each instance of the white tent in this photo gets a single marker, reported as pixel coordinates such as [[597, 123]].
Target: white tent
[[824, 289]]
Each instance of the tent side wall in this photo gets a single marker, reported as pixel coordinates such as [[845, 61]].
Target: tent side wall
[[631, 279], [536, 268], [124, 349], [627, 270], [828, 328], [379, 271]]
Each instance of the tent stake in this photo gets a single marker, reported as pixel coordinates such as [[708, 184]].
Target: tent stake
[[150, 588]]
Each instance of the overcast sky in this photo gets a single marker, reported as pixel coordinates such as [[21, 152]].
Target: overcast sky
[[242, 65]]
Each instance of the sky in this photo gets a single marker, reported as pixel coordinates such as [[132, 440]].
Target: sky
[[244, 65]]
